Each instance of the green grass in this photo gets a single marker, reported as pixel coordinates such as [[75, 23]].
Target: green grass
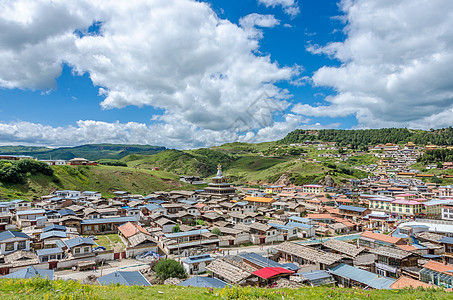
[[105, 179], [46, 289]]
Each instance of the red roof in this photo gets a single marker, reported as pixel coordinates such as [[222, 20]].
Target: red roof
[[269, 272]]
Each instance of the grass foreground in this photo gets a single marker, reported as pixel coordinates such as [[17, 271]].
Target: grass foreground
[[47, 289]]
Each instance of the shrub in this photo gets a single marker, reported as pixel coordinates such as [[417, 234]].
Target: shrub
[[169, 268]]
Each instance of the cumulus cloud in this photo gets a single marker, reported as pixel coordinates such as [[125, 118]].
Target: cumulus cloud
[[290, 7], [179, 135], [396, 64], [175, 55]]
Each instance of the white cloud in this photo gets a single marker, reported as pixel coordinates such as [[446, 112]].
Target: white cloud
[[255, 19], [396, 65], [290, 7], [175, 55], [172, 134]]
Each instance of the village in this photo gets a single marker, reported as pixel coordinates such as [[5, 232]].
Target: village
[[387, 231]]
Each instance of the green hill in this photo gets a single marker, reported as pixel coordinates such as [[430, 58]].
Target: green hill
[[105, 179], [28, 289], [365, 137], [244, 163], [91, 152]]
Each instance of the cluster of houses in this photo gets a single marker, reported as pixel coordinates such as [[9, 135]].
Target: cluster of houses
[[392, 233]]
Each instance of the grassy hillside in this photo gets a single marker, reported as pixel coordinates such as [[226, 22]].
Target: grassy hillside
[[254, 164], [105, 179], [45, 289], [91, 152]]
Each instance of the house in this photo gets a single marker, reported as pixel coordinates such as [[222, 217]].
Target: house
[[353, 211], [104, 225], [447, 242], [50, 254], [201, 281], [313, 188], [11, 241], [124, 278], [437, 273], [259, 201], [78, 161], [20, 205], [370, 239], [285, 231], [349, 276], [246, 219], [166, 225], [303, 230], [31, 272], [80, 246], [307, 256], [67, 194], [179, 241], [229, 272], [136, 239], [317, 278], [26, 218], [391, 262], [197, 264], [268, 275], [343, 248]]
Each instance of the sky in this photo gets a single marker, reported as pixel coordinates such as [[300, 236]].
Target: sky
[[188, 74]]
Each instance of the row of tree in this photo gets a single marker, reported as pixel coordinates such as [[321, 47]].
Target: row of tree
[[17, 171], [436, 156], [360, 138]]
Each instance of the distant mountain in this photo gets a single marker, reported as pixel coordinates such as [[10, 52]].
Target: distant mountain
[[91, 152]]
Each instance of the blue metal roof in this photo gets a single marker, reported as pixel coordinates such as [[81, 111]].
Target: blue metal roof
[[54, 227], [151, 206], [186, 233], [280, 226], [300, 225], [364, 277], [65, 212], [200, 281], [446, 240], [259, 260], [53, 233], [79, 241], [299, 219], [12, 234], [124, 278], [198, 259], [30, 273], [49, 251], [315, 275], [352, 208], [109, 220]]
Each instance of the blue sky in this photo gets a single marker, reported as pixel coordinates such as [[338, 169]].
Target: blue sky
[[183, 74]]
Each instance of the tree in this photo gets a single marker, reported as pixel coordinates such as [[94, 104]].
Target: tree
[[169, 268], [216, 231], [176, 228]]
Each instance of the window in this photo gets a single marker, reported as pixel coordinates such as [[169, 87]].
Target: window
[[9, 247], [21, 245], [77, 250], [45, 258], [53, 257], [96, 227], [86, 249], [294, 231]]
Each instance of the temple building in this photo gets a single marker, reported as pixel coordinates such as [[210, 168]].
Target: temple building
[[219, 186]]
